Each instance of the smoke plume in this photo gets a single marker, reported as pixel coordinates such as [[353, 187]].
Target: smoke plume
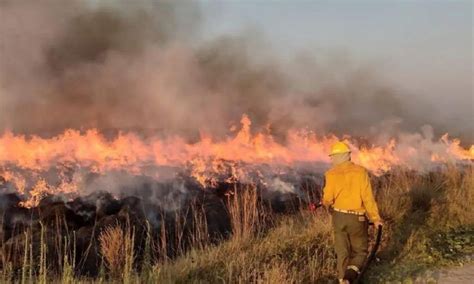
[[143, 66]]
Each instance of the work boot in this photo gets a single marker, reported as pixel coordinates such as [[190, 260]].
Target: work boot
[[350, 275]]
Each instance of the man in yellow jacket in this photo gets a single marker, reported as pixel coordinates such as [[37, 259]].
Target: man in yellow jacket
[[349, 192]]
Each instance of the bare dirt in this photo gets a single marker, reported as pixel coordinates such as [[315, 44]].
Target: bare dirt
[[464, 274]]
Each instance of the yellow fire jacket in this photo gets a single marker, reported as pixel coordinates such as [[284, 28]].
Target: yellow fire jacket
[[348, 188]]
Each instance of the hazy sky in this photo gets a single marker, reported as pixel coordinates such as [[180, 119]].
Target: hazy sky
[[422, 47]]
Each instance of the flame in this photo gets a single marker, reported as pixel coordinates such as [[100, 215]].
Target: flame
[[129, 152]]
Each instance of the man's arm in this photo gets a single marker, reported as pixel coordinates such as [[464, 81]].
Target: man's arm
[[328, 191], [369, 201]]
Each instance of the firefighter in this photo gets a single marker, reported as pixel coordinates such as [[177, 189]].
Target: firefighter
[[348, 194]]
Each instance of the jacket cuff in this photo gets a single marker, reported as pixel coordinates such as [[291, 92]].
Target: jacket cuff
[[375, 219]]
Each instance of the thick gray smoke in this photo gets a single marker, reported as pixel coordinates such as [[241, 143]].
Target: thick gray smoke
[[142, 65]]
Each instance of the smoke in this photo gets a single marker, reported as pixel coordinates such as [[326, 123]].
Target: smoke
[[170, 195], [144, 66]]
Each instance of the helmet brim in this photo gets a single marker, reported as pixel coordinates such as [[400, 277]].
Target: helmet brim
[[332, 154]]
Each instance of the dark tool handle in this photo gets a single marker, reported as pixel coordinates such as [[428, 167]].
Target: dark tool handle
[[371, 256]]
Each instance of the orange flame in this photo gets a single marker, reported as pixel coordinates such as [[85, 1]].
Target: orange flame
[[131, 153]]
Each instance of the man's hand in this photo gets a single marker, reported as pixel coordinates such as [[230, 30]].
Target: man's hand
[[378, 223]]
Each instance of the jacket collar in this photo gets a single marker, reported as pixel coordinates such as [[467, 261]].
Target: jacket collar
[[343, 164]]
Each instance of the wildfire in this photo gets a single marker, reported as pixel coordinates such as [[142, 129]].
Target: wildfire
[[128, 152]]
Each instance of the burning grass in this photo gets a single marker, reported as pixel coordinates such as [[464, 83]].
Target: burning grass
[[239, 237]]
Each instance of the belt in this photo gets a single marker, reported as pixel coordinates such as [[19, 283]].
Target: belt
[[349, 212]]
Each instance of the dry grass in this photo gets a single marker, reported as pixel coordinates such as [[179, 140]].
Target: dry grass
[[428, 218], [297, 250], [116, 247], [417, 208], [424, 214], [244, 212], [112, 249]]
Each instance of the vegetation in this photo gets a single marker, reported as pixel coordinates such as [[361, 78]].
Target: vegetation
[[429, 223]]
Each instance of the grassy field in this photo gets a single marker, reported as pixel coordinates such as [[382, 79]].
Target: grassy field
[[429, 223]]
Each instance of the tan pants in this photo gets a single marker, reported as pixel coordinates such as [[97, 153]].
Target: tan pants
[[350, 240]]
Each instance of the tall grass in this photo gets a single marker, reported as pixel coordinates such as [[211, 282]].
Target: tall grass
[[297, 250], [419, 209], [69, 261], [25, 266], [244, 212], [43, 264], [424, 214], [117, 249]]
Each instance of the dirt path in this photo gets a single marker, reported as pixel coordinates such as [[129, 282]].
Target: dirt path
[[464, 274]]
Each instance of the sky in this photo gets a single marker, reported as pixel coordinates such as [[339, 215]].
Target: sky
[[423, 48]]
